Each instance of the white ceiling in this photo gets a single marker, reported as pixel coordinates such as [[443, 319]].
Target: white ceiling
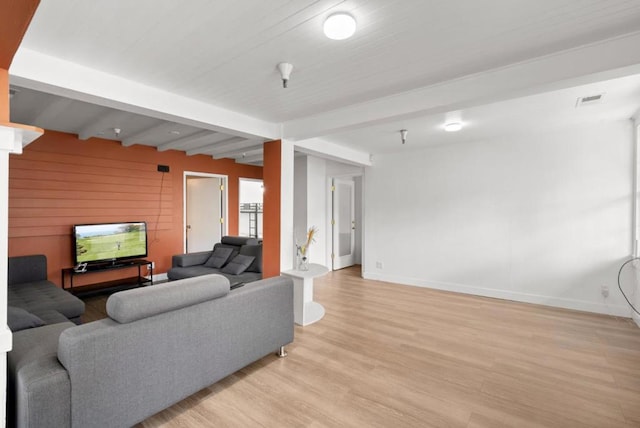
[[209, 69]]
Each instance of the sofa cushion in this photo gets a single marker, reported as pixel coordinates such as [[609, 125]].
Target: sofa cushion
[[43, 295], [239, 264], [50, 316], [21, 319], [190, 272], [244, 277], [253, 251], [219, 257], [27, 269], [132, 305], [239, 241], [191, 259]]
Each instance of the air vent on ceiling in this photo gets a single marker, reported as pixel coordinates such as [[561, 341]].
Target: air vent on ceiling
[[589, 100]]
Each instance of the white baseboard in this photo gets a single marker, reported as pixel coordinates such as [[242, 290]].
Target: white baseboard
[[559, 302]]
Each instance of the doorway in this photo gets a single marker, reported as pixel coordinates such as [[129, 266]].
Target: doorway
[[346, 222], [251, 195], [205, 210]]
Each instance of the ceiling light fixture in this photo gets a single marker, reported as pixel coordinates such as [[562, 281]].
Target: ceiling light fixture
[[403, 135], [285, 72], [339, 26], [117, 131], [452, 126]]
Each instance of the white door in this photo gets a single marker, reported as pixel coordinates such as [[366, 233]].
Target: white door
[[204, 211], [344, 223]]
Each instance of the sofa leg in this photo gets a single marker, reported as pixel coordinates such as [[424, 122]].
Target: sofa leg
[[281, 352]]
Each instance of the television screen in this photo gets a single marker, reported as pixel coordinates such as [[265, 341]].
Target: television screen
[[110, 241]]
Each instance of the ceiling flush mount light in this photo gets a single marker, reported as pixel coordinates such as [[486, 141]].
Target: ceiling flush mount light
[[452, 126], [285, 72], [339, 26], [403, 135]]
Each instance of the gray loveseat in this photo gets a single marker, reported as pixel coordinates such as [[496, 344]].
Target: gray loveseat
[[30, 290], [159, 345], [202, 263]]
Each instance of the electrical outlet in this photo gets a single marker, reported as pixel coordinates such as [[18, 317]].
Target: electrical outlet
[[605, 291], [379, 265]]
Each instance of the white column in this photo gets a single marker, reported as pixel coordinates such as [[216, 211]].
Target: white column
[[8, 145], [636, 217], [11, 141], [286, 206]]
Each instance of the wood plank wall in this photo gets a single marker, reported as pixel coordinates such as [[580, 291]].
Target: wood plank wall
[[60, 181]]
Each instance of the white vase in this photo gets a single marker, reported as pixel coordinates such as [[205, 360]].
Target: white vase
[[303, 264]]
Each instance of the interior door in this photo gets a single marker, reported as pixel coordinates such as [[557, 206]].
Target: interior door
[[344, 223], [204, 211]]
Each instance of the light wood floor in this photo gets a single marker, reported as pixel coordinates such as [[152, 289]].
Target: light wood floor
[[388, 355]]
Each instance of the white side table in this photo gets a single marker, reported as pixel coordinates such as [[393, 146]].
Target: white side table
[[305, 310]]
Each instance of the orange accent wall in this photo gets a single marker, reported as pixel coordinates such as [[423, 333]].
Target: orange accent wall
[[59, 181], [271, 210], [15, 16]]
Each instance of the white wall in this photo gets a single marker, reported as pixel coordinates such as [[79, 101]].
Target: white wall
[[312, 197], [299, 200], [317, 190], [358, 215], [537, 218]]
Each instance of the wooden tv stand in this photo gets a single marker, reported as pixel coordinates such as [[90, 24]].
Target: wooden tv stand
[[114, 285]]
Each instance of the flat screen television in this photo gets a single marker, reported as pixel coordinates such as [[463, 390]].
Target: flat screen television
[[109, 242]]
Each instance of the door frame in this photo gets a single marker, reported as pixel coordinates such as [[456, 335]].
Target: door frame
[[361, 220], [224, 210]]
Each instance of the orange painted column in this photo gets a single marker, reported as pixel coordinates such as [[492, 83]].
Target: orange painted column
[[271, 210], [4, 95]]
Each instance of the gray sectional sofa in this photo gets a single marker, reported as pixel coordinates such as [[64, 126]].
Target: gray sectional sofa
[[159, 345], [29, 291], [205, 262]]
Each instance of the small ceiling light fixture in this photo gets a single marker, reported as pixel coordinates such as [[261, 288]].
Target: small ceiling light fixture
[[117, 131], [285, 71], [453, 126], [403, 135], [339, 26]]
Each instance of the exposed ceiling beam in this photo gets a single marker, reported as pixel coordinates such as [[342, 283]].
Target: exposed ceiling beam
[[140, 136], [50, 111], [35, 70], [237, 148], [225, 145], [328, 150], [189, 140], [210, 142], [616, 57], [251, 157], [104, 121]]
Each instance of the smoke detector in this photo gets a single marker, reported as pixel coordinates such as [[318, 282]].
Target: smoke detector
[[589, 100]]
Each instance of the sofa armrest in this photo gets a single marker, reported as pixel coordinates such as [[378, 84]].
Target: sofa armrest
[[191, 259], [39, 389]]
